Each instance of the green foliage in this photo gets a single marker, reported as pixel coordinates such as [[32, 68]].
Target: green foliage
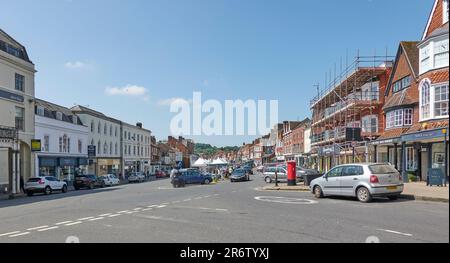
[[209, 150]]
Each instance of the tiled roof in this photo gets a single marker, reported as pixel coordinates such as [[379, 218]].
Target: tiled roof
[[393, 133], [412, 54], [431, 125], [399, 100], [50, 110]]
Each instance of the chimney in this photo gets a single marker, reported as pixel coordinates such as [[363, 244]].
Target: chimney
[[139, 124]]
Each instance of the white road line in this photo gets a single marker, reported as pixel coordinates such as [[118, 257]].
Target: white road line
[[106, 214], [207, 196], [21, 234], [132, 212], [161, 206], [137, 209], [222, 210], [63, 223], [114, 215], [10, 233], [36, 228], [123, 212], [187, 200], [198, 198], [49, 228], [147, 209], [74, 223], [216, 195], [395, 232], [86, 218], [96, 219], [150, 206]]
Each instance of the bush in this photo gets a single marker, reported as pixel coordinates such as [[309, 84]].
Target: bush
[[412, 177]]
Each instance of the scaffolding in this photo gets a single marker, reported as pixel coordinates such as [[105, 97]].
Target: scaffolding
[[351, 100]]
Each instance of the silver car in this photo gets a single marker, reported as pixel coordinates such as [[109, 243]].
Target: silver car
[[363, 181], [46, 185]]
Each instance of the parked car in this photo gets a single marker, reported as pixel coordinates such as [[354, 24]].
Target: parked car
[[260, 169], [110, 180], [87, 181], [45, 185], [240, 175], [364, 181], [190, 176], [248, 168], [161, 174], [270, 177], [136, 178]]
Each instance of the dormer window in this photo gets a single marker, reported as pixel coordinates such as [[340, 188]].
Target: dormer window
[[40, 111], [59, 116], [402, 84]]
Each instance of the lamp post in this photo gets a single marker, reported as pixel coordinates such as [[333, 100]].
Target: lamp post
[[276, 175]]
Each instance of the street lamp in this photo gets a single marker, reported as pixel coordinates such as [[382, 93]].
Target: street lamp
[[276, 175]]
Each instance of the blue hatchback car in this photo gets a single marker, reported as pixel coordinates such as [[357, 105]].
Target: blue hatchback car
[[190, 176]]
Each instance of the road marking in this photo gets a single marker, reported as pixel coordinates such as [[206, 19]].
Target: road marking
[[207, 196], [147, 209], [123, 212], [198, 198], [216, 195], [137, 209], [165, 203], [395, 232], [161, 206], [36, 228], [114, 215], [84, 219], [132, 212], [74, 223], [10, 233], [187, 200], [150, 206], [49, 228], [63, 223], [285, 200], [96, 219], [106, 214], [21, 234], [222, 210]]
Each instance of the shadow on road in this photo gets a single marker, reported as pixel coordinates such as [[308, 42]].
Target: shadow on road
[[24, 200], [376, 200]]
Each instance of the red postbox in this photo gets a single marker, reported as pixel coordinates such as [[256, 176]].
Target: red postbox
[[292, 173]]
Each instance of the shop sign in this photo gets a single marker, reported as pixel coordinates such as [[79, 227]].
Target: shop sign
[[67, 162], [7, 133], [36, 145], [11, 96], [424, 135], [387, 141], [435, 177], [92, 151]]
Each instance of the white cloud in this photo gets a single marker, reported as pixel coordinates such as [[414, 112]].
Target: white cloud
[[128, 90], [76, 65], [170, 101]]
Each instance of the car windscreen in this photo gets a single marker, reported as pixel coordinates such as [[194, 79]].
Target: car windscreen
[[33, 180], [382, 169], [239, 172]]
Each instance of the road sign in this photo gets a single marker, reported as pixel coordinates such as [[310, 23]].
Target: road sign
[[36, 145]]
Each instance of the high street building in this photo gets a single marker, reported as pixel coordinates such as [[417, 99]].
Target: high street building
[[136, 145], [64, 142], [104, 141], [17, 92], [347, 115]]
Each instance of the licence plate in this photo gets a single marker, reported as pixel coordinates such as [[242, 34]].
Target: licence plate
[[392, 187]]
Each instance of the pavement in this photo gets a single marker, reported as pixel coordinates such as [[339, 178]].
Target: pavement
[[155, 212], [412, 191]]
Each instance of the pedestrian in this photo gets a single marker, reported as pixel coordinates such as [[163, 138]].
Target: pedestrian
[[22, 184]]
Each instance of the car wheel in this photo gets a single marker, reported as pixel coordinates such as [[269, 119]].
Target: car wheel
[[268, 180], [318, 193], [48, 190], [64, 189], [364, 195], [393, 197], [29, 193], [76, 188], [103, 185], [206, 181], [91, 186]]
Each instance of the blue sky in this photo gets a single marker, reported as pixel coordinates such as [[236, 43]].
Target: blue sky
[[227, 49]]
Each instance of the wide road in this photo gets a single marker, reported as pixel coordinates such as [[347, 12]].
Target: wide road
[[225, 212]]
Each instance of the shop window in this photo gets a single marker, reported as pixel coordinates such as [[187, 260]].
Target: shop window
[[411, 163]]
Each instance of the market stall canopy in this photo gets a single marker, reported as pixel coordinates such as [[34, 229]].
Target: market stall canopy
[[200, 163], [219, 161]]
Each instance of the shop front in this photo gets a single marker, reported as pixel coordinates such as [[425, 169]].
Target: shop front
[[63, 168], [426, 150], [132, 166], [108, 166]]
